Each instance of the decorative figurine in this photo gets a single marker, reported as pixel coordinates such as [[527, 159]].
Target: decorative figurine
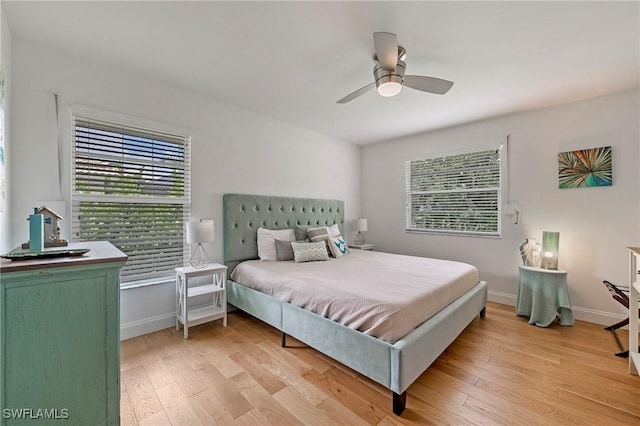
[[36, 226], [530, 252], [51, 233]]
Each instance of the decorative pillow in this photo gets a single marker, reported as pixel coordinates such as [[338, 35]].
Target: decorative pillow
[[267, 241], [318, 234], [309, 252], [284, 251], [334, 230], [323, 233], [338, 246], [301, 232]]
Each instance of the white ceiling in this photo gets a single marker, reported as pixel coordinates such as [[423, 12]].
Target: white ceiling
[[293, 60]]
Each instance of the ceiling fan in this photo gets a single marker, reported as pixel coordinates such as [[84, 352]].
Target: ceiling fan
[[389, 69]]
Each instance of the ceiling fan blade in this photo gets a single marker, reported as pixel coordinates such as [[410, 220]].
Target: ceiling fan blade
[[360, 91], [428, 84], [386, 45]]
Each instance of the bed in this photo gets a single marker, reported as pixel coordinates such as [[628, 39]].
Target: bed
[[394, 363]]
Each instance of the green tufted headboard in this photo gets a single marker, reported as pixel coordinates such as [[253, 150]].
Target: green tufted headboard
[[243, 214]]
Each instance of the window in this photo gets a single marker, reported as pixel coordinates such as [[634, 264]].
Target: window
[[131, 187], [457, 193]]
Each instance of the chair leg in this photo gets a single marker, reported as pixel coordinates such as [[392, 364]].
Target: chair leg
[[623, 353], [620, 296], [618, 325]]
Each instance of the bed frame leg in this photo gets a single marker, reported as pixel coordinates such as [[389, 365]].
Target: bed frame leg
[[483, 312], [399, 402], [283, 339]]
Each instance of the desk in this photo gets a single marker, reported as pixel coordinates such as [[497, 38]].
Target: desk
[[634, 293], [543, 295]]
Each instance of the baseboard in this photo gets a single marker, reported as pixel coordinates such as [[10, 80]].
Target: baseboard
[[147, 325], [597, 317], [502, 298], [579, 313]]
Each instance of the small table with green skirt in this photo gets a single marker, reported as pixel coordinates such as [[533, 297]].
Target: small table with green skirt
[[543, 295]]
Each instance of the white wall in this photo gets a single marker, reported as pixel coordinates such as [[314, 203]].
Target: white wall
[[595, 224], [5, 65], [233, 150]]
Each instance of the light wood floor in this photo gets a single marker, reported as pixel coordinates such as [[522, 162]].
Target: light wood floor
[[500, 371]]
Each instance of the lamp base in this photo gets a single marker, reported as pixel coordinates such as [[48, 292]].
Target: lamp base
[[359, 239], [550, 264], [199, 258]]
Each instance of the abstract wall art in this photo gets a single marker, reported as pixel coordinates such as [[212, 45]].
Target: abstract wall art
[[3, 196], [585, 168]]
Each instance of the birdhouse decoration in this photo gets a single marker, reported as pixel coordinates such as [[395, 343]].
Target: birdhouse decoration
[[51, 230]]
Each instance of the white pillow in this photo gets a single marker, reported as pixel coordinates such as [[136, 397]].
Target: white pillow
[[338, 246], [267, 241], [309, 252]]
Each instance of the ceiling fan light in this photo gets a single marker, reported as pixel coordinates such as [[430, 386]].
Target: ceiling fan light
[[389, 82], [389, 88]]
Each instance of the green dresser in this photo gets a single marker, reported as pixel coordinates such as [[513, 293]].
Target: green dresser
[[60, 338]]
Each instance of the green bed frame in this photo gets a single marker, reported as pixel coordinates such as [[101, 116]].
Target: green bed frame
[[395, 366]]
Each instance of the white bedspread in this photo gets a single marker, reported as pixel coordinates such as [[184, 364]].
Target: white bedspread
[[381, 294]]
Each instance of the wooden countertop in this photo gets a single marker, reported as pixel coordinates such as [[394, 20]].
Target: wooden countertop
[[99, 252]]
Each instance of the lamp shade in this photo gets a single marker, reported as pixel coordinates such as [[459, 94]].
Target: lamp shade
[[360, 224], [200, 232], [550, 248]]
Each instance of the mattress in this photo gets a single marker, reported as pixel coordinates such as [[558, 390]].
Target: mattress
[[380, 294]]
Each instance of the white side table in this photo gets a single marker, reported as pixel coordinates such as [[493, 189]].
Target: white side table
[[370, 247], [217, 289]]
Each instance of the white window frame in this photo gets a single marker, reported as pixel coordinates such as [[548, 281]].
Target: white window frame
[[410, 194], [129, 279]]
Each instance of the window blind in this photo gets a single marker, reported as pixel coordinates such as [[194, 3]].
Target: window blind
[[131, 186], [457, 193]]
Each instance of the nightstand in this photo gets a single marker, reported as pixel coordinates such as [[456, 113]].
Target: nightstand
[[543, 295], [369, 247], [215, 288]]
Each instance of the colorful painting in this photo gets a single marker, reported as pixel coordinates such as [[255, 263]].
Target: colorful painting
[[2, 178], [585, 167]]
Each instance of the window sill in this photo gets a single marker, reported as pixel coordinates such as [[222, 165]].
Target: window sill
[[452, 233], [148, 283]]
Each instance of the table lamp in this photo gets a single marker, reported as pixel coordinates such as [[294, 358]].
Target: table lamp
[[550, 246], [360, 226], [198, 233]]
